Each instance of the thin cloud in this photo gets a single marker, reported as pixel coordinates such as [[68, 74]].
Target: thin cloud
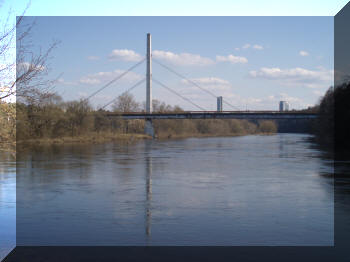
[[255, 46], [93, 58], [303, 53], [297, 75], [103, 77], [125, 55], [209, 80], [271, 102], [62, 81], [232, 59], [214, 83], [258, 47], [318, 93], [182, 59]]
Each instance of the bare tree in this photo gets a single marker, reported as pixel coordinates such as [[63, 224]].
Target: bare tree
[[22, 71], [125, 103]]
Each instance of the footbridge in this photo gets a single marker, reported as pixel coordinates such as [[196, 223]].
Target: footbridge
[[249, 115]]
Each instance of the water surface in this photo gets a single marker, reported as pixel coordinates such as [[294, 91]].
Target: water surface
[[7, 204], [251, 190]]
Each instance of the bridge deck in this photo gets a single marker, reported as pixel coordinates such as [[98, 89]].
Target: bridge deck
[[217, 115]]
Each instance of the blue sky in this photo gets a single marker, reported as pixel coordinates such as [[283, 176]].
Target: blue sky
[[180, 7], [253, 62]]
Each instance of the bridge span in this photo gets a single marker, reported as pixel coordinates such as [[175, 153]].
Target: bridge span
[[249, 115]]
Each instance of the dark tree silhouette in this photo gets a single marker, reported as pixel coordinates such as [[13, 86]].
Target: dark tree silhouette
[[22, 71], [332, 129]]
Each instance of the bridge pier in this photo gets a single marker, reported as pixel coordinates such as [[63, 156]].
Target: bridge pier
[[149, 130]]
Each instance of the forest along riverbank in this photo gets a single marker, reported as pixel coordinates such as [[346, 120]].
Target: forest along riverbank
[[52, 121], [55, 121]]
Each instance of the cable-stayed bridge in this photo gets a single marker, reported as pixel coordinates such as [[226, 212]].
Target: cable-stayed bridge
[[250, 115], [202, 113]]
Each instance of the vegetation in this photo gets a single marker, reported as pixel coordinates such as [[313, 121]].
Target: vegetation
[[332, 129], [7, 126], [23, 72], [55, 121], [324, 126], [210, 127]]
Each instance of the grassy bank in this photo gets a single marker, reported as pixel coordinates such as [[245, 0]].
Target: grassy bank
[[91, 138], [169, 133], [8, 147], [184, 136]]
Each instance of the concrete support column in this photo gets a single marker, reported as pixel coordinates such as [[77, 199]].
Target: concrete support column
[[149, 130], [219, 104]]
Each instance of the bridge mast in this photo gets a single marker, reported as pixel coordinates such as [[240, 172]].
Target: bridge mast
[[149, 76], [149, 130]]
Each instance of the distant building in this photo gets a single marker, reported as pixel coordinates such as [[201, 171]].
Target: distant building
[[219, 104], [284, 106]]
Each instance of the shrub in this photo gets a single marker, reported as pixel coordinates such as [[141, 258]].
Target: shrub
[[267, 126]]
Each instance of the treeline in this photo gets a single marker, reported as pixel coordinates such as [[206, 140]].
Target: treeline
[[332, 128], [211, 127], [7, 123], [54, 118]]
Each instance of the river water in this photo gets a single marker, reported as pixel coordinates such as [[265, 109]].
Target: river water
[[250, 190], [7, 204]]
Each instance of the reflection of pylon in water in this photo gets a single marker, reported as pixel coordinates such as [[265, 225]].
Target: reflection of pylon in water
[[148, 225], [148, 194], [149, 199]]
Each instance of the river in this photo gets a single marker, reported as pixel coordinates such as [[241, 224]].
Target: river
[[252, 190], [7, 204]]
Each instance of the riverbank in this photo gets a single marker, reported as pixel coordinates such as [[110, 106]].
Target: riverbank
[[97, 138], [106, 137], [8, 147], [165, 136], [93, 138], [164, 130]]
